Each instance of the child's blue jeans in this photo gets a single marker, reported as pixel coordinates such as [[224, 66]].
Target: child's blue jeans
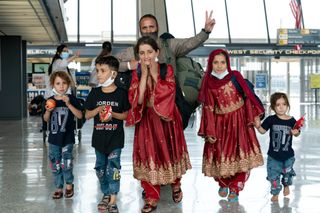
[[108, 171], [61, 164], [276, 170]]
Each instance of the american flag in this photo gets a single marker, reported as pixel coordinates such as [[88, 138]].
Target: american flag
[[295, 6]]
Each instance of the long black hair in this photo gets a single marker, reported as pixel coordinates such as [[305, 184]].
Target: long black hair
[[56, 56], [106, 49]]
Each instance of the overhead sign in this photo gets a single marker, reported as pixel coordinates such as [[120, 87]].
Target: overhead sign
[[298, 36]]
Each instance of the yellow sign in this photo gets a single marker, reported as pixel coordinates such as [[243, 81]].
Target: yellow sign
[[314, 81]]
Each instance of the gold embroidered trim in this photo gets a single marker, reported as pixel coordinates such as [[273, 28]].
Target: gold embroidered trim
[[164, 174], [230, 107], [229, 167]]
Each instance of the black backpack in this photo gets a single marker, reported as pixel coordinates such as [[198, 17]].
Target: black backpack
[[251, 87]]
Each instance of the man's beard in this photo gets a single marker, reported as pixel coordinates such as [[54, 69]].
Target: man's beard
[[152, 35]]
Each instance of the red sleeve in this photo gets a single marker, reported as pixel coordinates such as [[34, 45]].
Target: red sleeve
[[165, 94], [135, 111], [207, 123]]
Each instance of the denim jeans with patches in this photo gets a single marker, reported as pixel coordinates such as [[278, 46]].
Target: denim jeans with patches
[[61, 164], [108, 171], [277, 170]]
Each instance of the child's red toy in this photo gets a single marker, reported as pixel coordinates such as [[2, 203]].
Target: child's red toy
[[106, 113], [50, 104], [299, 123]]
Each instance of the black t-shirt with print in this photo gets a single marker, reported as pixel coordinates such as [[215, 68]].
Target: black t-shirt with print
[[62, 122], [108, 136], [280, 146]]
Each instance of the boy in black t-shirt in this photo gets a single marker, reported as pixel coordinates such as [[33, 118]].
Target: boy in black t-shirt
[[280, 154], [60, 111], [109, 106]]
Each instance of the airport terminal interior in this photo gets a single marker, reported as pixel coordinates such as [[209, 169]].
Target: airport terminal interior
[[275, 44]]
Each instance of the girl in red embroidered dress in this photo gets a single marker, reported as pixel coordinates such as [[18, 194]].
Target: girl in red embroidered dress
[[231, 147], [160, 155]]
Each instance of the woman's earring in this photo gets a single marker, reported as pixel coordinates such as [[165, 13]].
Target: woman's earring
[[156, 59]]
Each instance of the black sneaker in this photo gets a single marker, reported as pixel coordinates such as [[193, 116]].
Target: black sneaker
[[113, 208]]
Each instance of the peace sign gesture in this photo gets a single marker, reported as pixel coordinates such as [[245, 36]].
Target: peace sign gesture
[[210, 22]]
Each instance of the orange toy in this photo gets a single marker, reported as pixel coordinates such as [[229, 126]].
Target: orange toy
[[50, 104]]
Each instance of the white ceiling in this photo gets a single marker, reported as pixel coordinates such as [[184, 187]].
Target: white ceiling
[[36, 21]]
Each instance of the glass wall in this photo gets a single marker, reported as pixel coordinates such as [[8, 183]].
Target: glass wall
[[246, 21], [286, 74]]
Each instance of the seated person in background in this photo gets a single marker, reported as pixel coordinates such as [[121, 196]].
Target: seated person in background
[[35, 106]]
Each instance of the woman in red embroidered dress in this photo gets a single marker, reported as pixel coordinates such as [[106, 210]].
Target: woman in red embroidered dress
[[160, 155], [231, 147]]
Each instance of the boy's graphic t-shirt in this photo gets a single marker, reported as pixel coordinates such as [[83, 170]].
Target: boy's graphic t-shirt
[[280, 146], [62, 122], [108, 136]]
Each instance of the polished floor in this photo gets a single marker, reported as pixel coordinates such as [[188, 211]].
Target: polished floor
[[26, 182]]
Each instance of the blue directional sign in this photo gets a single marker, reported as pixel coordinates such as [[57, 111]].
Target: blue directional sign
[[261, 81]]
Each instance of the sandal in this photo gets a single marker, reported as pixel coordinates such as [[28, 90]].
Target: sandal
[[233, 197], [177, 195], [223, 191], [103, 205], [69, 192], [148, 208], [57, 195]]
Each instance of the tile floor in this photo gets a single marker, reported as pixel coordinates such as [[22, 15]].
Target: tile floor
[[26, 181]]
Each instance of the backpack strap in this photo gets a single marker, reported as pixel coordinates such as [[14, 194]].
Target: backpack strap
[[163, 71], [168, 53], [237, 85]]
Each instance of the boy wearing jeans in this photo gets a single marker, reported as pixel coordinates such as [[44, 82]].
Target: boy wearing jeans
[[108, 105]]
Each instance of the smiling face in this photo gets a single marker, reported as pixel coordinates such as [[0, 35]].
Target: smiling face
[[148, 25], [219, 64], [147, 54], [103, 73], [60, 85]]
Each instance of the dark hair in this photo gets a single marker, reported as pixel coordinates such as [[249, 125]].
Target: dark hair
[[110, 60], [149, 16], [146, 40], [56, 56], [63, 75], [106, 49], [276, 96]]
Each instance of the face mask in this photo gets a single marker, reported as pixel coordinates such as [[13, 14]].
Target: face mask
[[108, 82], [55, 92], [64, 55], [221, 75]]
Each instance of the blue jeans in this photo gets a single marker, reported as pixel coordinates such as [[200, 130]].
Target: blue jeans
[[61, 164], [276, 170], [108, 171]]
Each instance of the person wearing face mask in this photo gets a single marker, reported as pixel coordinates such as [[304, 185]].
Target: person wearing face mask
[[60, 62], [61, 59], [148, 25], [106, 50], [231, 147], [109, 106]]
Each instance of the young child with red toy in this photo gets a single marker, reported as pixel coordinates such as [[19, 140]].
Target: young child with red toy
[[109, 106], [280, 154]]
